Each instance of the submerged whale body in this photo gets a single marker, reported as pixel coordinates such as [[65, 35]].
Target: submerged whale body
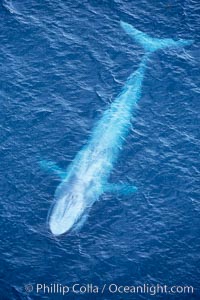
[[87, 176]]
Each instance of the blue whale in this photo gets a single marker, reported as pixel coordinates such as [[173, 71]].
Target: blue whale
[[87, 178]]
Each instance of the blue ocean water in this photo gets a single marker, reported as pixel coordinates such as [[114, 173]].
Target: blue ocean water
[[62, 64]]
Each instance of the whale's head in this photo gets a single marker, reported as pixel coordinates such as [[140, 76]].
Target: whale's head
[[73, 197], [66, 211]]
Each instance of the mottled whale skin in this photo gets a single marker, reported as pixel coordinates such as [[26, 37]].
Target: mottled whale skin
[[87, 176]]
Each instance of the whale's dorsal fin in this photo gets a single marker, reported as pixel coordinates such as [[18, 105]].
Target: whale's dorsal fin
[[123, 189]]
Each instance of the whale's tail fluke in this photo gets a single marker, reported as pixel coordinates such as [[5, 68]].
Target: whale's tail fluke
[[152, 44]]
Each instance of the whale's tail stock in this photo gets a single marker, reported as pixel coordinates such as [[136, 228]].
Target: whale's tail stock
[[152, 44]]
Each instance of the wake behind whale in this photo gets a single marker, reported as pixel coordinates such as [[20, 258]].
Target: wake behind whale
[[87, 178]]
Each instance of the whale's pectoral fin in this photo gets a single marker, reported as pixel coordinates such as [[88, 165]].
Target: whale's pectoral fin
[[52, 167], [124, 189]]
